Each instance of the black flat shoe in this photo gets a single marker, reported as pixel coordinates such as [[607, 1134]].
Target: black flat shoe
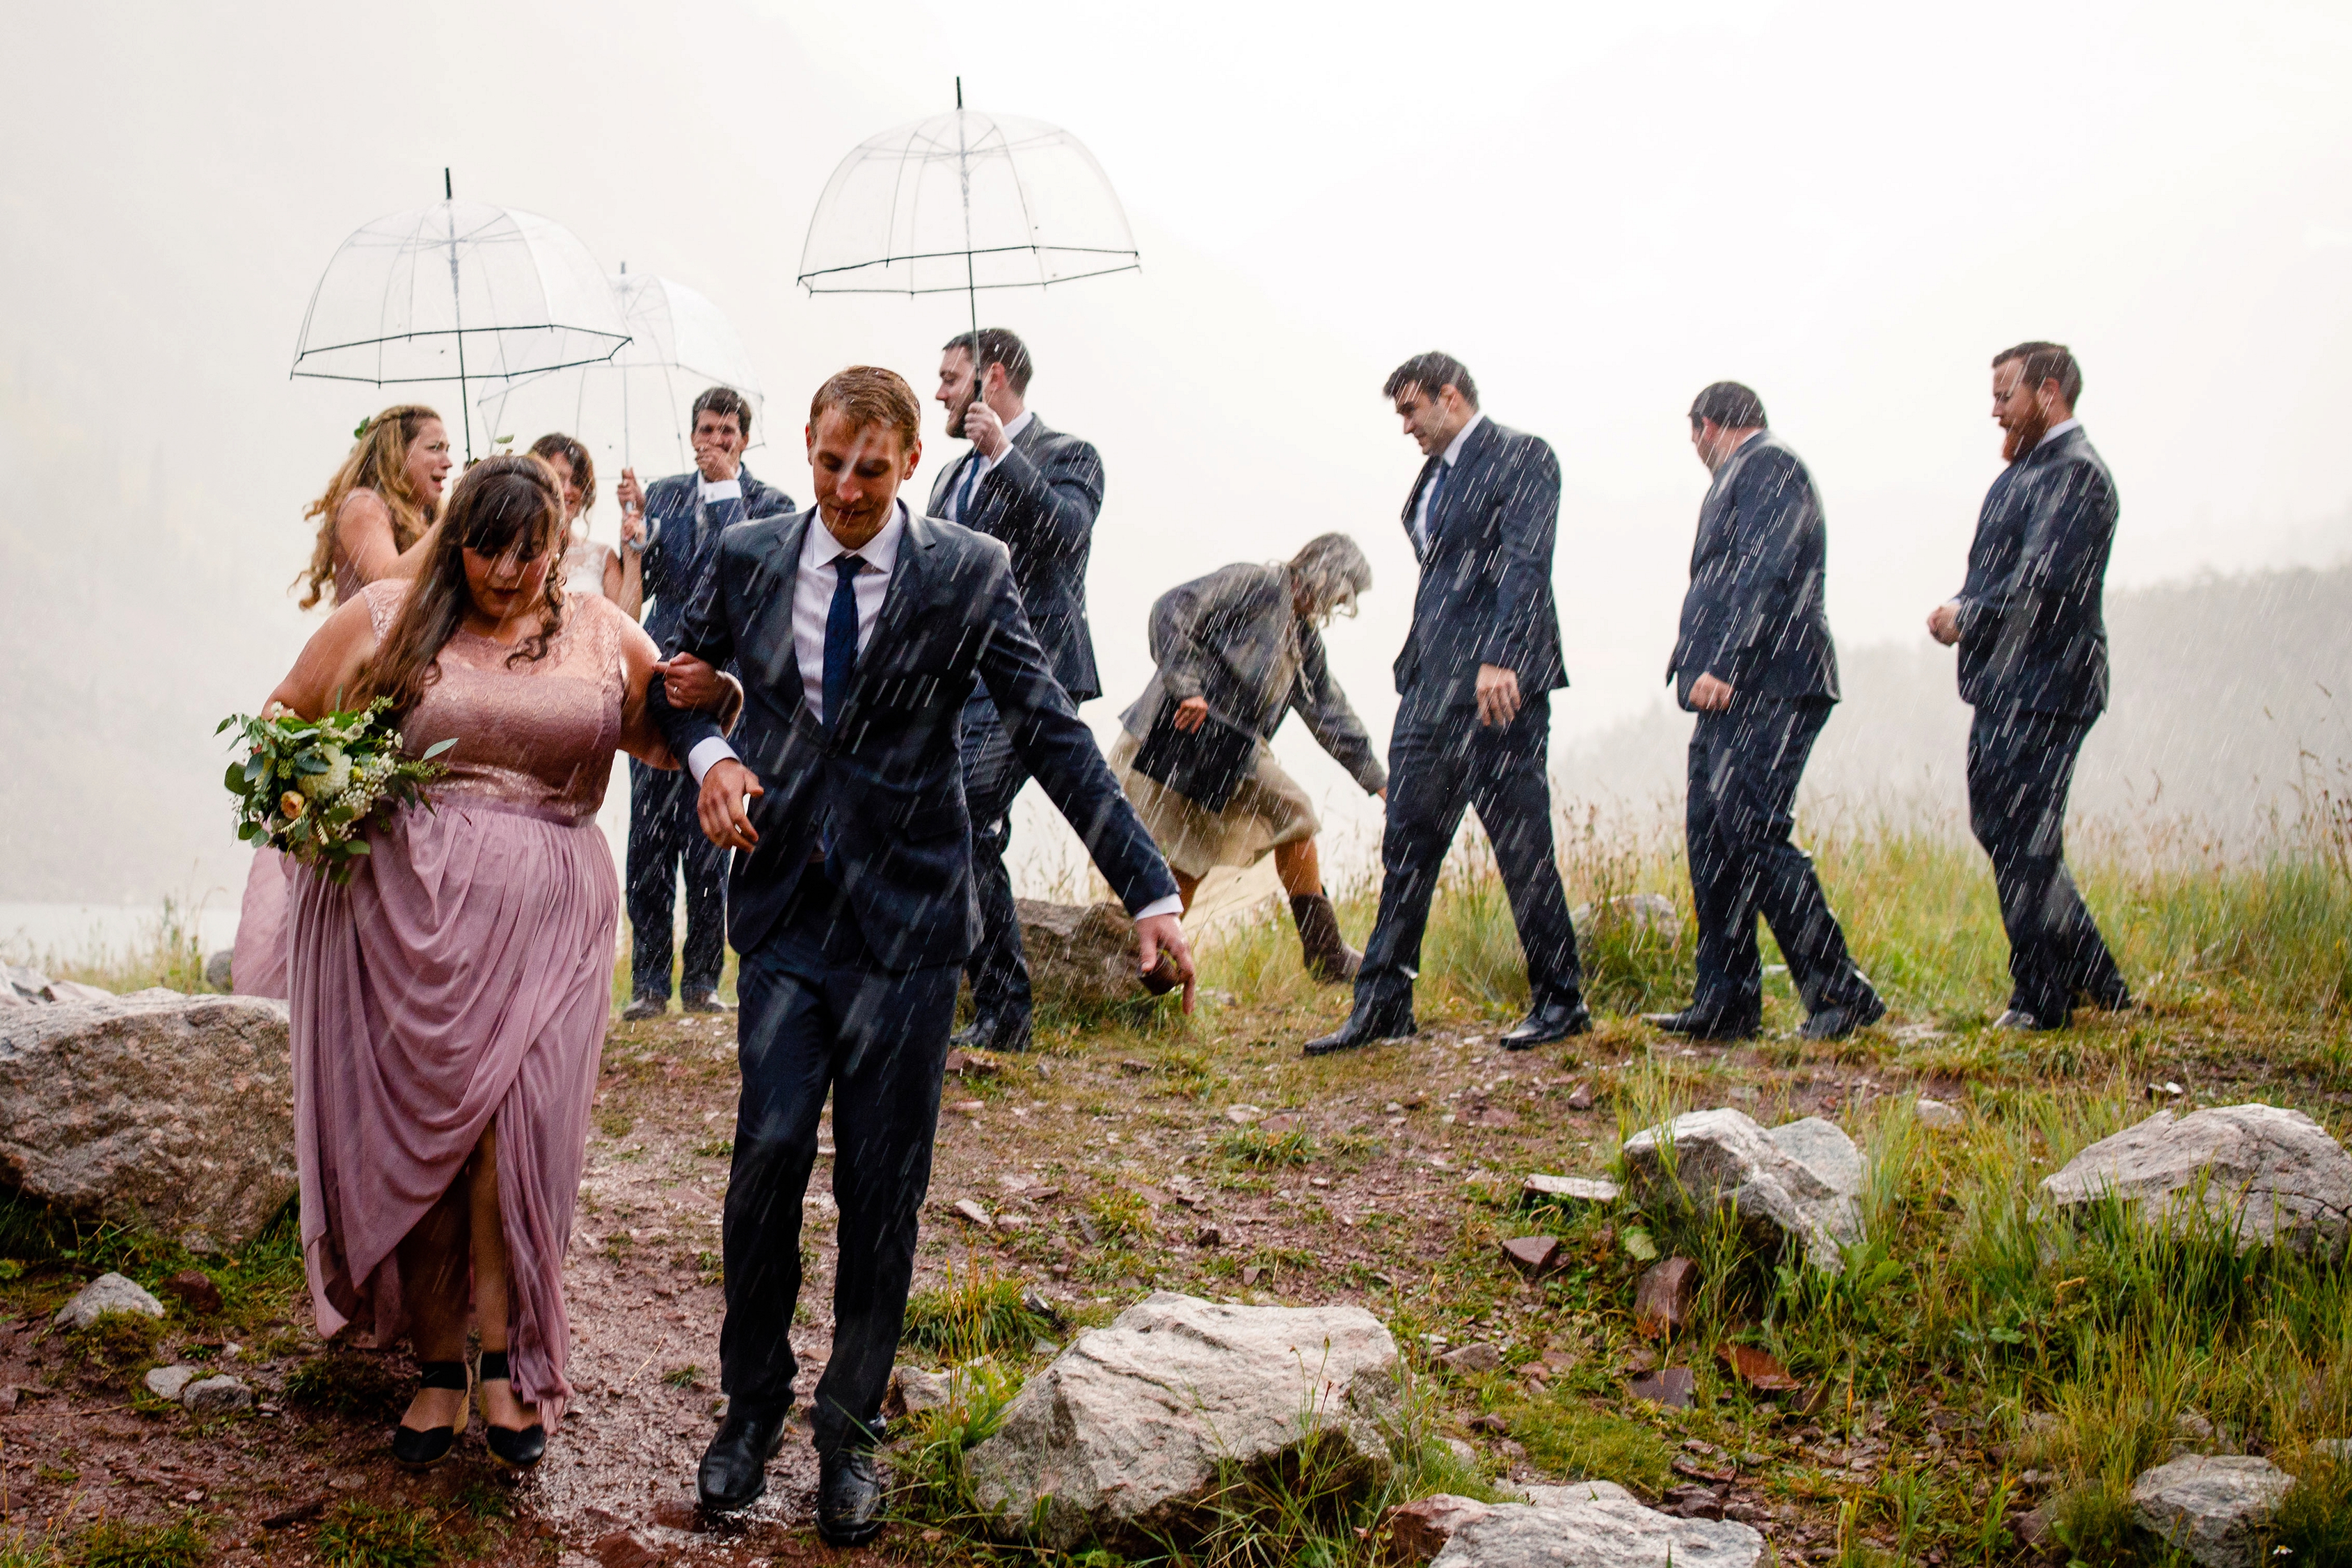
[[848, 1497], [1548, 1022], [735, 1467], [1363, 1028], [1693, 1024], [1836, 1024], [516, 1449], [422, 1447]]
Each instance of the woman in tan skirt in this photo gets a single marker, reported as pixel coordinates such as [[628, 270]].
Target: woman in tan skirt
[[1243, 646]]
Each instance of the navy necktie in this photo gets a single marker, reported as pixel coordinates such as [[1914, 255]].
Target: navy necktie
[[1429, 508], [963, 491], [841, 637]]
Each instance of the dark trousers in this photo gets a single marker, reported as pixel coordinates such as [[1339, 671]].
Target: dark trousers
[[1741, 806], [993, 776], [1441, 762], [663, 837], [818, 1014], [2021, 766]]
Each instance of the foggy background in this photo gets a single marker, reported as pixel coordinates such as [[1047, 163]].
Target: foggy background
[[1850, 208]]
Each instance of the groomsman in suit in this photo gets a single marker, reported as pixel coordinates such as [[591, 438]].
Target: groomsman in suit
[[1477, 676], [684, 517], [2033, 641], [860, 629], [1754, 661], [1038, 492]]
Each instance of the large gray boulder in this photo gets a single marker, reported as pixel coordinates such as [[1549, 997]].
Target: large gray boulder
[[1804, 1179], [2211, 1505], [1598, 1531], [2276, 1175], [1079, 955], [1127, 1428], [160, 1110], [1639, 914]]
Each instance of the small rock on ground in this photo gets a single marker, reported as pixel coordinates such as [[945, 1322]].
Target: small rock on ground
[[1598, 1532], [2211, 1506], [170, 1382], [107, 1293], [214, 1396]]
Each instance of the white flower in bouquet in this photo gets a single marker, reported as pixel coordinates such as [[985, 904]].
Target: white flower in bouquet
[[334, 780]]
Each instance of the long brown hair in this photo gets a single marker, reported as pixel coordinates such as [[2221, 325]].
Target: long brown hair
[[378, 461], [583, 467], [508, 503]]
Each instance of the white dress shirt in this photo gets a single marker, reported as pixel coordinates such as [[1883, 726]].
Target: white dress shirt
[[955, 485], [812, 587], [1453, 451], [2055, 431]]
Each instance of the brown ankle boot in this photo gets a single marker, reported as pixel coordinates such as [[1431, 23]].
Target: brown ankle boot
[[1327, 957]]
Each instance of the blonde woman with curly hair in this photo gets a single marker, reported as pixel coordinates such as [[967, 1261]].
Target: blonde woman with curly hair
[[377, 516], [377, 519]]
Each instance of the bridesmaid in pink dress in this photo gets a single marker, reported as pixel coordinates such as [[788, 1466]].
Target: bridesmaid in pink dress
[[449, 1003], [376, 521]]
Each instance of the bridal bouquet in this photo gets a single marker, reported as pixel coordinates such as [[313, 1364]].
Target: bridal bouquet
[[307, 787]]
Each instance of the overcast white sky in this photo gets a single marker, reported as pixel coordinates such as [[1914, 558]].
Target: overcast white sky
[[1599, 208]]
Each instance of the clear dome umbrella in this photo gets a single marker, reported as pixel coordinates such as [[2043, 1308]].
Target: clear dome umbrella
[[962, 202], [633, 406], [458, 291]]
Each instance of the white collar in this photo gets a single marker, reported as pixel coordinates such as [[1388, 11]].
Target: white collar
[[721, 489], [880, 552], [1453, 447], [2055, 431], [1013, 427]]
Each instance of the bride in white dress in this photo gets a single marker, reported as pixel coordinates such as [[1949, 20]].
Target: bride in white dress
[[590, 567]]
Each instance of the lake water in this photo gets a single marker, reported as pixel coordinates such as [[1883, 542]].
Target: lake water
[[84, 932]]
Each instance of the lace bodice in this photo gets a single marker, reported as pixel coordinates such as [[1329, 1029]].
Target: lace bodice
[[536, 735]]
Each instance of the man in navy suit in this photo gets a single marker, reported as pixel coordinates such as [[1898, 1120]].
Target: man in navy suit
[[1754, 661], [1037, 491], [1476, 678], [684, 517], [859, 631], [2033, 641]]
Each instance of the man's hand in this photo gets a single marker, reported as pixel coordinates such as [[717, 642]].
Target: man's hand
[[688, 682], [1161, 933], [726, 818], [631, 494], [984, 429], [1707, 694], [1190, 715], [1498, 695], [1943, 622]]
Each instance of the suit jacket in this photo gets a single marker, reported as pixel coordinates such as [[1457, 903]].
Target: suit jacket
[[885, 779], [1485, 595], [1754, 615], [2033, 633], [1040, 501], [1233, 640], [675, 558]]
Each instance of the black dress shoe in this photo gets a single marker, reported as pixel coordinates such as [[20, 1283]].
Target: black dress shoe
[[1697, 1025], [1548, 1022], [2118, 1000], [1836, 1024], [992, 1034], [735, 1467], [703, 1002], [517, 1448], [848, 1497], [422, 1447], [2020, 1021], [1362, 1028]]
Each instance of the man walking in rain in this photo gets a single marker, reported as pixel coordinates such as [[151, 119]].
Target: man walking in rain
[[2033, 641], [685, 515], [1477, 676], [1037, 491], [1754, 661]]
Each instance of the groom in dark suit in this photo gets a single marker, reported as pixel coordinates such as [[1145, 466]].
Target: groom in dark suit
[[859, 631], [2033, 662], [1037, 492], [1477, 676], [1755, 662]]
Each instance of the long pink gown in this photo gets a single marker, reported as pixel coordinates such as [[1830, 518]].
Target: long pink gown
[[464, 978], [257, 956]]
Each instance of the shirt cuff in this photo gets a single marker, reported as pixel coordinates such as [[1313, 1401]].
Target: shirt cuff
[[705, 752], [1171, 904]]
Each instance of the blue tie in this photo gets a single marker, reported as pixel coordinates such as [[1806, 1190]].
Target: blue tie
[[1429, 508], [841, 637], [963, 491]]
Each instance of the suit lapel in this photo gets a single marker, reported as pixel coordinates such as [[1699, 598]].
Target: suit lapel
[[898, 602], [1412, 504], [777, 653]]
